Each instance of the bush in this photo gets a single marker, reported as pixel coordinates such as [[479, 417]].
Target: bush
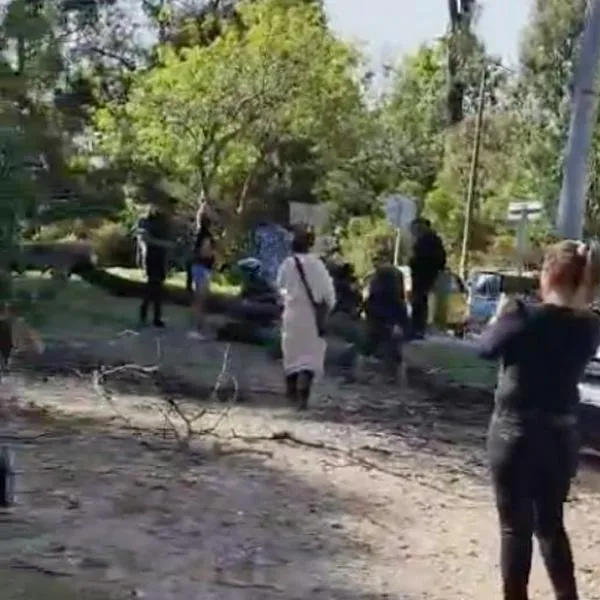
[[365, 240], [114, 245]]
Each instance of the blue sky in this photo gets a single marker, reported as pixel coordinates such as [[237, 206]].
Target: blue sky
[[390, 28]]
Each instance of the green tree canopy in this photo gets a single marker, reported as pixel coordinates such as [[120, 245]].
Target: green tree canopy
[[210, 113]]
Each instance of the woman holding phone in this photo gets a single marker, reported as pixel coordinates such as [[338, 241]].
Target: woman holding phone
[[533, 434]]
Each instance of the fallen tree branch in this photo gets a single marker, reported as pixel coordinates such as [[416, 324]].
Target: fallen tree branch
[[22, 565], [174, 415], [287, 437]]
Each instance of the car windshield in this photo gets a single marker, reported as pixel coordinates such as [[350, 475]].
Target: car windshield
[[486, 284]]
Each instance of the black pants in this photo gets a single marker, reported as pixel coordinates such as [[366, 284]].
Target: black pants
[[299, 386], [189, 283], [153, 295], [381, 343], [532, 468], [420, 305]]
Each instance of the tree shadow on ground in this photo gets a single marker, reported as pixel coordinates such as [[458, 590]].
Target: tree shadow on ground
[[229, 523], [430, 415], [431, 420]]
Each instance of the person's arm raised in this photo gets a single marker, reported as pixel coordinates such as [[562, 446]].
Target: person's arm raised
[[502, 328]]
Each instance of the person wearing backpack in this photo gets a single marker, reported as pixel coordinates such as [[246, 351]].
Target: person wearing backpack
[[308, 295]]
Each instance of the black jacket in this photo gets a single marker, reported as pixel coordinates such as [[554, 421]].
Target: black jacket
[[155, 256], [428, 257]]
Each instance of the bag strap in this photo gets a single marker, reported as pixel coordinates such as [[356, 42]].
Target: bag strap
[[302, 274]]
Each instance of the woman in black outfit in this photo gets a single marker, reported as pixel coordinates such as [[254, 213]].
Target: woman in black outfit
[[533, 438]]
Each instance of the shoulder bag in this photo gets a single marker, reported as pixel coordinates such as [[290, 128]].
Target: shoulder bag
[[320, 309]]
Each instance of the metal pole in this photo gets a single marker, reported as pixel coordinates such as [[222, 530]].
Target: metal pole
[[571, 207], [522, 240], [397, 248], [466, 239]]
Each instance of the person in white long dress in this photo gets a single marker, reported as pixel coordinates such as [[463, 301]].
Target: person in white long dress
[[303, 348]]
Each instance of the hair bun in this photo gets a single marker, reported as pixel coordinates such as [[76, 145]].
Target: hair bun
[[593, 262]]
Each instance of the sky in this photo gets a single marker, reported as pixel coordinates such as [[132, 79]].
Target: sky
[[391, 28]]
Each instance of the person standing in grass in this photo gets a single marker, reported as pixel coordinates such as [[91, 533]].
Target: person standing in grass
[[427, 261], [201, 270], [533, 434], [153, 233]]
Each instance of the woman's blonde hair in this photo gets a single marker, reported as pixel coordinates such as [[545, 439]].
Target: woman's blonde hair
[[570, 264]]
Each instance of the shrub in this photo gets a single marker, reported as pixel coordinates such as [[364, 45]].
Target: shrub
[[365, 240], [114, 245]]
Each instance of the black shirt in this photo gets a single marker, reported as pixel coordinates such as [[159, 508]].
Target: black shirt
[[544, 351], [385, 303], [428, 257], [157, 227], [204, 235]]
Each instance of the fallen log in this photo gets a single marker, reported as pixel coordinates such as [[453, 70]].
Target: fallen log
[[77, 258], [233, 306]]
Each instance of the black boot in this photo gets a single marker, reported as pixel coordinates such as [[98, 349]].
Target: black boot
[[291, 387], [305, 380]]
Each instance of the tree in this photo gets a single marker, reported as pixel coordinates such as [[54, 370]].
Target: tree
[[550, 48], [461, 43], [498, 183], [212, 115]]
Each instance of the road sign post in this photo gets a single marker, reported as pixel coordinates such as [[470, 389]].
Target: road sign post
[[521, 214], [401, 212]]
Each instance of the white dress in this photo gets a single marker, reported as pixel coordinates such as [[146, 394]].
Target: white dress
[[302, 347]]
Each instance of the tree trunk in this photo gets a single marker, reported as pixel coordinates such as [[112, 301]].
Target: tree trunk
[[461, 17]]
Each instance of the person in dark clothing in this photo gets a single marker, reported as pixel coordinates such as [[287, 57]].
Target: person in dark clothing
[[153, 236], [347, 291], [532, 438], [428, 260], [386, 318]]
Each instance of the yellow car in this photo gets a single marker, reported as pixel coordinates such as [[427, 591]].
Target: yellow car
[[448, 302]]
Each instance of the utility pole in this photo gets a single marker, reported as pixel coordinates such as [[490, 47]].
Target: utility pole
[[571, 207], [470, 203]]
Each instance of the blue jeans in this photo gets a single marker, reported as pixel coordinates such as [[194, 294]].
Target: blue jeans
[[200, 277]]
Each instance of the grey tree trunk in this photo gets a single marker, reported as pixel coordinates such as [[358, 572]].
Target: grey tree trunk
[[571, 208]]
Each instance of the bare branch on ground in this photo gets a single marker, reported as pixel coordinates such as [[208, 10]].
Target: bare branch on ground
[[176, 417]]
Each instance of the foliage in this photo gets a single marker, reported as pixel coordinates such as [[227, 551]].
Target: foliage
[[367, 240], [114, 245], [211, 116], [253, 104]]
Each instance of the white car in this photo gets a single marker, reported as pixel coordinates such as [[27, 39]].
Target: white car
[[593, 368]]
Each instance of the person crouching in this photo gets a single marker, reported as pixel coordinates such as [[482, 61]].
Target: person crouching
[[386, 319]]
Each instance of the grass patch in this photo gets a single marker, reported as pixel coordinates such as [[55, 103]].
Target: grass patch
[[90, 312], [219, 283], [456, 361]]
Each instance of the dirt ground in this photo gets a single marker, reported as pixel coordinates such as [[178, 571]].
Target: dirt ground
[[375, 493]]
